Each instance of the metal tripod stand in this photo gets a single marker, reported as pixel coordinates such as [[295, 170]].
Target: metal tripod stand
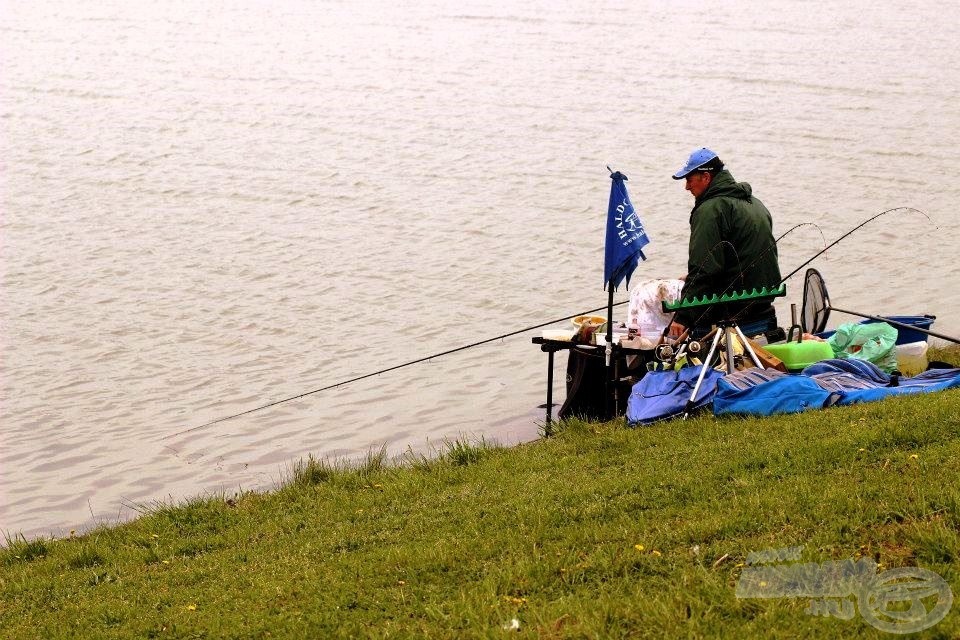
[[726, 329]]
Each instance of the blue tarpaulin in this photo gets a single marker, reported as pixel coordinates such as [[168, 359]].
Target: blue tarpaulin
[[828, 383]]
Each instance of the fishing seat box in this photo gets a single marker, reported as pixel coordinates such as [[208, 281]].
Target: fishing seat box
[[587, 384]]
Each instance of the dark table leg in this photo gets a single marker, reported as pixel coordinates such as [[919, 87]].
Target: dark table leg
[[616, 385], [546, 427]]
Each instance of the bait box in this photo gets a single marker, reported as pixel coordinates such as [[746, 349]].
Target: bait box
[[797, 356]]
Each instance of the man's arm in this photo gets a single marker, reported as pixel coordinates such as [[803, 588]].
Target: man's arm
[[705, 258]]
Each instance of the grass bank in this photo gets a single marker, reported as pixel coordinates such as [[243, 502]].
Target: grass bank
[[600, 532]]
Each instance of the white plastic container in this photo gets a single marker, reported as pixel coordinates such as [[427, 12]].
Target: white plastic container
[[564, 335], [912, 357], [600, 339]]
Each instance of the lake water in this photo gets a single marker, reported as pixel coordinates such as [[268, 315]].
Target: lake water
[[209, 207]]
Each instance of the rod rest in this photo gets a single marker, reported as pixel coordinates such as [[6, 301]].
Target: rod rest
[[738, 296]]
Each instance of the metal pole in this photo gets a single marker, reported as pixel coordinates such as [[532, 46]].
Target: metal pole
[[748, 348], [900, 325], [728, 335], [703, 372], [611, 392], [547, 425]]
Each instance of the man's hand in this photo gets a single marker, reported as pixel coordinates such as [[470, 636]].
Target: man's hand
[[676, 329]]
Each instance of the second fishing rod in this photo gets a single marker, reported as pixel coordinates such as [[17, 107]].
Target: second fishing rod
[[748, 306]]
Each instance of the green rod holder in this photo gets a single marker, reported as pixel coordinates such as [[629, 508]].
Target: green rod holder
[[737, 296]]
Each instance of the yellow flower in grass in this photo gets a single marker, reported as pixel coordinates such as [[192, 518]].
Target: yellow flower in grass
[[638, 547]]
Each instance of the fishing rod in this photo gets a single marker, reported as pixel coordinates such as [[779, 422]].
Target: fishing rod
[[741, 312], [530, 328], [393, 368], [857, 228], [704, 313], [898, 325], [826, 248], [837, 241]]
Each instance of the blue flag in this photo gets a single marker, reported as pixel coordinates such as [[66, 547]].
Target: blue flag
[[625, 235]]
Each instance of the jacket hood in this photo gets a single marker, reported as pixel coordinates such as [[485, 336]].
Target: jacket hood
[[723, 185]]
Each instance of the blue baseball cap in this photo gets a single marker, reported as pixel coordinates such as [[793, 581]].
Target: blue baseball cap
[[696, 160]]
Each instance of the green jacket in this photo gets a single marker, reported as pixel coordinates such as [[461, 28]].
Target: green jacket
[[731, 249]]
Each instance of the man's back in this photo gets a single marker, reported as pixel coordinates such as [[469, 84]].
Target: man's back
[[732, 247]]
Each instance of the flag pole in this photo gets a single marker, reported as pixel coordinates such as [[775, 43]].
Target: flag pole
[[611, 393], [625, 239], [609, 318]]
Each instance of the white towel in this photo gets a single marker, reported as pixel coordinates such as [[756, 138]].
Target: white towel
[[645, 313]]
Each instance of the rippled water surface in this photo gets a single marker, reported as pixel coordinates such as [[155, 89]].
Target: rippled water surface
[[209, 207]]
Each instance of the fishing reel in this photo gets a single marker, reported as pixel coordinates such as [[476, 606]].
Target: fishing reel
[[667, 353], [663, 352]]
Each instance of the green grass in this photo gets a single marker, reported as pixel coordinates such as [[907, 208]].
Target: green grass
[[599, 532]]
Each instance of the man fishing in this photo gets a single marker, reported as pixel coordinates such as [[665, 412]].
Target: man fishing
[[731, 248]]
